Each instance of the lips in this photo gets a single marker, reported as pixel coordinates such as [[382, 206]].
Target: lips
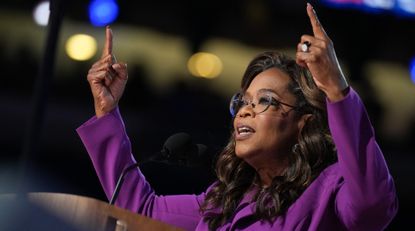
[[243, 131]]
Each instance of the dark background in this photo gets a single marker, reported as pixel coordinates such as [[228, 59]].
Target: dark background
[[61, 164]]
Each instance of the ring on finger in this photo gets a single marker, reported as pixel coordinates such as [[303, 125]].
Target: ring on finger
[[305, 46]]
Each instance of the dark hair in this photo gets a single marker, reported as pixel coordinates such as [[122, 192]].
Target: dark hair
[[313, 152]]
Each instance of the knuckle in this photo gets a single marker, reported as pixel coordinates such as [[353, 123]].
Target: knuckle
[[324, 45], [99, 75], [318, 51]]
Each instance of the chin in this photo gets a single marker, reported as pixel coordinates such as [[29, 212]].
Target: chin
[[242, 152], [238, 152]]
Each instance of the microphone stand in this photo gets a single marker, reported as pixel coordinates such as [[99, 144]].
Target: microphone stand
[[40, 90], [121, 181], [127, 170], [176, 147]]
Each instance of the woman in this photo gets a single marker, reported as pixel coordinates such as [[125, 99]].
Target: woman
[[302, 155]]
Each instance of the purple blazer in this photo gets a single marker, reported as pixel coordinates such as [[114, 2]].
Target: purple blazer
[[355, 193]]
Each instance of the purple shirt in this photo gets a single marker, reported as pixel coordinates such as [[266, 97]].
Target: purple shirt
[[355, 193]]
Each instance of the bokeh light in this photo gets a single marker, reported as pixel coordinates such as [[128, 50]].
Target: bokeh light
[[404, 8], [407, 5], [41, 13], [205, 65], [102, 12], [412, 69], [81, 47]]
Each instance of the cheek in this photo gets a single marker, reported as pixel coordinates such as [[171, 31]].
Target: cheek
[[279, 131], [272, 125]]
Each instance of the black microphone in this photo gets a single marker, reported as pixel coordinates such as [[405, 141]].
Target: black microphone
[[178, 148]]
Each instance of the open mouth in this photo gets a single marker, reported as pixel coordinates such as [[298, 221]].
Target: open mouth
[[243, 131]]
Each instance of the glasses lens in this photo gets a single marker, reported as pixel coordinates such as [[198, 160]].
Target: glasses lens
[[264, 101], [235, 104], [258, 106]]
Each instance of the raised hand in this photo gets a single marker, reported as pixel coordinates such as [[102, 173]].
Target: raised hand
[[321, 60], [107, 79]]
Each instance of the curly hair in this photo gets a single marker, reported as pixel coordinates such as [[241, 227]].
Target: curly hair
[[313, 152]]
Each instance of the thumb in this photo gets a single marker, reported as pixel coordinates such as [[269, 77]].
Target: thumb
[[121, 69]]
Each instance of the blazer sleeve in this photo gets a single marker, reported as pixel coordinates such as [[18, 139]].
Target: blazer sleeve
[[109, 148], [366, 199]]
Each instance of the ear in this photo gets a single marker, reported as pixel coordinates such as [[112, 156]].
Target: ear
[[301, 122]]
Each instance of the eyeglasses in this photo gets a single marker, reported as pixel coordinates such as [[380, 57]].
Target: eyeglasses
[[259, 105]]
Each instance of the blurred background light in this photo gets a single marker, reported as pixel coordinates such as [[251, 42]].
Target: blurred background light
[[407, 6], [103, 12], [205, 65], [81, 47], [41, 13], [397, 7], [380, 4], [412, 69]]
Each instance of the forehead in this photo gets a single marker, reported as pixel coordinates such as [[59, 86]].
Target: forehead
[[273, 79]]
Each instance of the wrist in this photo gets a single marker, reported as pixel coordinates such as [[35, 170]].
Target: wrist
[[101, 110], [99, 114], [337, 90], [338, 93]]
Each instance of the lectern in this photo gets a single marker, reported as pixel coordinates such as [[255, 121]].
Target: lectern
[[58, 211]]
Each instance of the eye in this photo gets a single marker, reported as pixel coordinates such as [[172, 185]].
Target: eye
[[264, 100], [275, 103]]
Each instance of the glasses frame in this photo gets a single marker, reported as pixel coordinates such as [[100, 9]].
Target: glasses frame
[[240, 97]]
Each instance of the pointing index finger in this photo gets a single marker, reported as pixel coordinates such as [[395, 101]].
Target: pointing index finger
[[108, 42], [318, 29]]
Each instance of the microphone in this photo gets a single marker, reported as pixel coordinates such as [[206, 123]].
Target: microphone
[[178, 148]]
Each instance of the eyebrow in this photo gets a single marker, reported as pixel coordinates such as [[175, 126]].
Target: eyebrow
[[266, 90]]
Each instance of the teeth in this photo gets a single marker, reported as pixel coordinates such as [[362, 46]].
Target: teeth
[[244, 129]]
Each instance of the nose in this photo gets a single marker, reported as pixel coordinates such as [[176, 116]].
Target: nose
[[247, 110]]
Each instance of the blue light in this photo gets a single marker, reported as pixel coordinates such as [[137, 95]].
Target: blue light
[[400, 8], [412, 70], [103, 12]]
